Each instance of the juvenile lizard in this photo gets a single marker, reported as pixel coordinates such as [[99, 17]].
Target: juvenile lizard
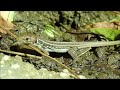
[[75, 49], [63, 47]]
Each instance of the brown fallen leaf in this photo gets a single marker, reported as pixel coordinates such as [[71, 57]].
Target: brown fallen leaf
[[5, 25], [111, 25]]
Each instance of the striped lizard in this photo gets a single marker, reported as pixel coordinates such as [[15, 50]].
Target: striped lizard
[[63, 47], [75, 49]]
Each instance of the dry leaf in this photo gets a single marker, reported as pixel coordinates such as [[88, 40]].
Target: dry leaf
[[111, 25], [5, 25], [7, 15]]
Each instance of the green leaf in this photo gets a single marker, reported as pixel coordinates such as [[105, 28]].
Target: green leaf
[[50, 31], [109, 33]]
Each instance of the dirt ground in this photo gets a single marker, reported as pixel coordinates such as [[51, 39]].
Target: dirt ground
[[97, 63]]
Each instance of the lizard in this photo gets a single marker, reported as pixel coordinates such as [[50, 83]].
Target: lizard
[[62, 47]]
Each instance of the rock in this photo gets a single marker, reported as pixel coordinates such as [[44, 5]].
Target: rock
[[12, 67]]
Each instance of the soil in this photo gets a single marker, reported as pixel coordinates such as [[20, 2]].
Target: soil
[[97, 63]]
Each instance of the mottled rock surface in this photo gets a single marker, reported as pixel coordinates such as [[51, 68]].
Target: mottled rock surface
[[15, 68]]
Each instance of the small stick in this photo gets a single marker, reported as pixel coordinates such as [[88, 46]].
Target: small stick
[[76, 76], [34, 48], [22, 54], [10, 33]]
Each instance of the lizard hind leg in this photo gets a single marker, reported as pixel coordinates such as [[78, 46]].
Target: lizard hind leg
[[76, 52]]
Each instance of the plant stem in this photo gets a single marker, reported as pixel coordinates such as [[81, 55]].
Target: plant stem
[[76, 76], [22, 54]]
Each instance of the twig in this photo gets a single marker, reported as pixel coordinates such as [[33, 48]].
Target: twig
[[76, 76], [36, 49], [10, 33], [22, 54]]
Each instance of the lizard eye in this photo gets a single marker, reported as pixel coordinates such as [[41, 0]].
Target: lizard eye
[[27, 39]]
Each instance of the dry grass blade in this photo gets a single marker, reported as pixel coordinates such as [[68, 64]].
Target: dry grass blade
[[22, 54]]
